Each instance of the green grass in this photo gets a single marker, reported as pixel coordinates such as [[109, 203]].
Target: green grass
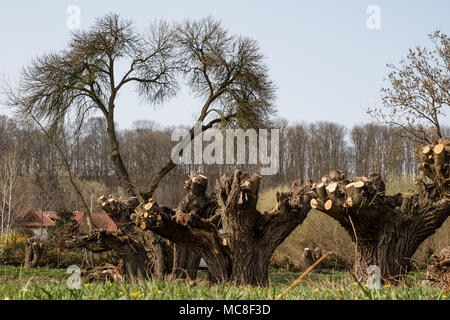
[[17, 283]]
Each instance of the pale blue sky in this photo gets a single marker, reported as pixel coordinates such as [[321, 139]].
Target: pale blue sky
[[326, 63]]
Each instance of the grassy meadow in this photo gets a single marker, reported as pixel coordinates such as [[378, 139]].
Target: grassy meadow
[[317, 230], [42, 283]]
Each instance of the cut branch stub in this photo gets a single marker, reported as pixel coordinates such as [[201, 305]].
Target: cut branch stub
[[334, 196], [435, 164], [119, 210], [321, 191], [197, 183], [317, 204], [238, 189]]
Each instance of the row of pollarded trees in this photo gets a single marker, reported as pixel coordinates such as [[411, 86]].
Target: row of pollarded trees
[[237, 241]]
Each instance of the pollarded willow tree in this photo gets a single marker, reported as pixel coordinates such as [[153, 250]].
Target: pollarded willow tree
[[387, 230], [229, 75], [236, 242]]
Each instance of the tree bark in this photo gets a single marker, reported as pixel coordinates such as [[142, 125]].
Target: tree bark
[[186, 261], [241, 251], [33, 252], [142, 252], [104, 272], [438, 272], [387, 230], [116, 158]]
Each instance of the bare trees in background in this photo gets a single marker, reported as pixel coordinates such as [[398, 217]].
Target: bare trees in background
[[382, 149], [363, 149], [9, 171]]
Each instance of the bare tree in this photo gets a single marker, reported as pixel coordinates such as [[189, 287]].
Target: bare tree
[[9, 165], [419, 91], [228, 73]]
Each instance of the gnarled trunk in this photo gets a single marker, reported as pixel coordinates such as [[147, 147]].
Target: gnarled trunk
[[33, 252], [142, 252], [186, 261], [387, 230], [240, 252]]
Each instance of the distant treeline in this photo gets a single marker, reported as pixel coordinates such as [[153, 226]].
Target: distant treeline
[[306, 150]]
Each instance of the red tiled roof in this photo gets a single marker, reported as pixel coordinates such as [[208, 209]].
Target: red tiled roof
[[33, 218]]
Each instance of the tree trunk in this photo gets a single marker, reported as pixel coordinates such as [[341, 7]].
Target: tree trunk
[[387, 230], [116, 158], [186, 261], [241, 251], [141, 252], [33, 252]]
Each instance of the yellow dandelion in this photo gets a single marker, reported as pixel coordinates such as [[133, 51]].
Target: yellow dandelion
[[158, 292], [445, 297], [136, 293], [355, 283], [386, 286], [316, 290], [120, 293]]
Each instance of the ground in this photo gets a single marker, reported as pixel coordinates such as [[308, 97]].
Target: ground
[[43, 283]]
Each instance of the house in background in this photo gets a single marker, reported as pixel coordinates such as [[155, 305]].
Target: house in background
[[34, 220], [38, 221]]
